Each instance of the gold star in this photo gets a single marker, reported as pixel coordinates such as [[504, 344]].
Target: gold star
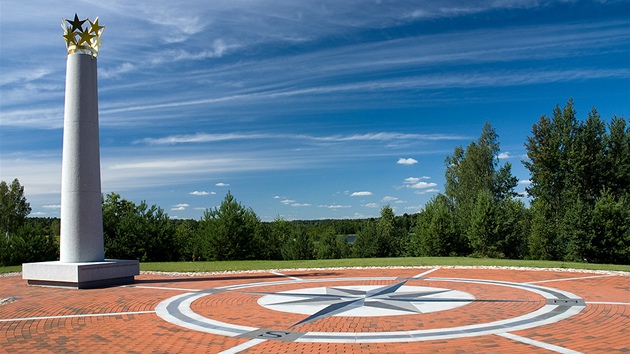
[[94, 27], [85, 37], [76, 24], [70, 39]]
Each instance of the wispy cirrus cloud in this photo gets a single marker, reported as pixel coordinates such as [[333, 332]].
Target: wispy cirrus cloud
[[201, 193], [335, 206], [381, 136]]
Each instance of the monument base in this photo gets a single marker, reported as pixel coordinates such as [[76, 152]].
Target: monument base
[[84, 275]]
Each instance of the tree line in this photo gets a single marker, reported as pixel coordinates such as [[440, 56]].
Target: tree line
[[579, 210]]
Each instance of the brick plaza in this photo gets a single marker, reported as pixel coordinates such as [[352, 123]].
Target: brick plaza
[[374, 310]]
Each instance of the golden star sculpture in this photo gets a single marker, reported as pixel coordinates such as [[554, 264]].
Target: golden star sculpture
[[82, 39]]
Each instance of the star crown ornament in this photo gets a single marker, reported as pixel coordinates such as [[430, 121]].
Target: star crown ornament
[[82, 38]]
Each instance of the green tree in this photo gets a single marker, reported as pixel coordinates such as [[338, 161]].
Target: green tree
[[331, 245], [435, 233], [31, 242], [514, 229], [575, 231], [139, 232], [617, 157], [611, 230], [391, 241], [571, 163], [541, 239], [475, 173], [548, 151], [184, 239], [229, 231], [281, 231], [366, 243], [13, 207], [483, 232], [298, 245]]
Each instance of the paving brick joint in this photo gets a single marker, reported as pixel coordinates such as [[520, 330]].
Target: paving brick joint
[[375, 310]]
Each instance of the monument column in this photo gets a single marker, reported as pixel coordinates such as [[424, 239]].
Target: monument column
[[82, 263], [81, 210]]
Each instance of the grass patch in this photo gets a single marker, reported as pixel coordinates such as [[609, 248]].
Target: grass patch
[[369, 262], [11, 269], [358, 262]]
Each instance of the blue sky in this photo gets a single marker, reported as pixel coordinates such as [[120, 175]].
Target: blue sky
[[302, 109]]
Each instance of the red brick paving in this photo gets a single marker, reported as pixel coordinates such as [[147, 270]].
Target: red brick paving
[[602, 326]]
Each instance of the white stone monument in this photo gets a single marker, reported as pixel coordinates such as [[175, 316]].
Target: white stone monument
[[82, 261]]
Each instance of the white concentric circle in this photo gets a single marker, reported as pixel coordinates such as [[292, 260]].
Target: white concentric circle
[[559, 305]]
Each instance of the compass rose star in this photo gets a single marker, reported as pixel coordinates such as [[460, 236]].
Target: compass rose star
[[340, 300]]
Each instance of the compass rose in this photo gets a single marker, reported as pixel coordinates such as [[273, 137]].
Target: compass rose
[[388, 300], [362, 300]]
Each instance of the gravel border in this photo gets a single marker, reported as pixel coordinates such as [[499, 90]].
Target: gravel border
[[198, 274], [568, 270]]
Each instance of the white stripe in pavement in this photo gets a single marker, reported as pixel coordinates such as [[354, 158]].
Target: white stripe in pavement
[[74, 316], [539, 344], [425, 273], [563, 279], [286, 276], [159, 288]]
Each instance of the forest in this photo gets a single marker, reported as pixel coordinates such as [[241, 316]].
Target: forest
[[578, 210]]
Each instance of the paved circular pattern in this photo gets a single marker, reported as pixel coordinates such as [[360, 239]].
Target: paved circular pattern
[[323, 310], [558, 305]]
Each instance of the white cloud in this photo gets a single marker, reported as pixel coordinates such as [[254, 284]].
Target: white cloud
[[221, 184], [414, 208], [335, 206], [371, 205], [179, 207], [361, 194], [23, 75], [431, 190], [407, 161], [123, 68], [52, 206], [418, 183], [389, 199], [300, 205], [504, 155], [288, 201], [525, 182], [422, 185], [413, 180], [201, 193], [211, 138]]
